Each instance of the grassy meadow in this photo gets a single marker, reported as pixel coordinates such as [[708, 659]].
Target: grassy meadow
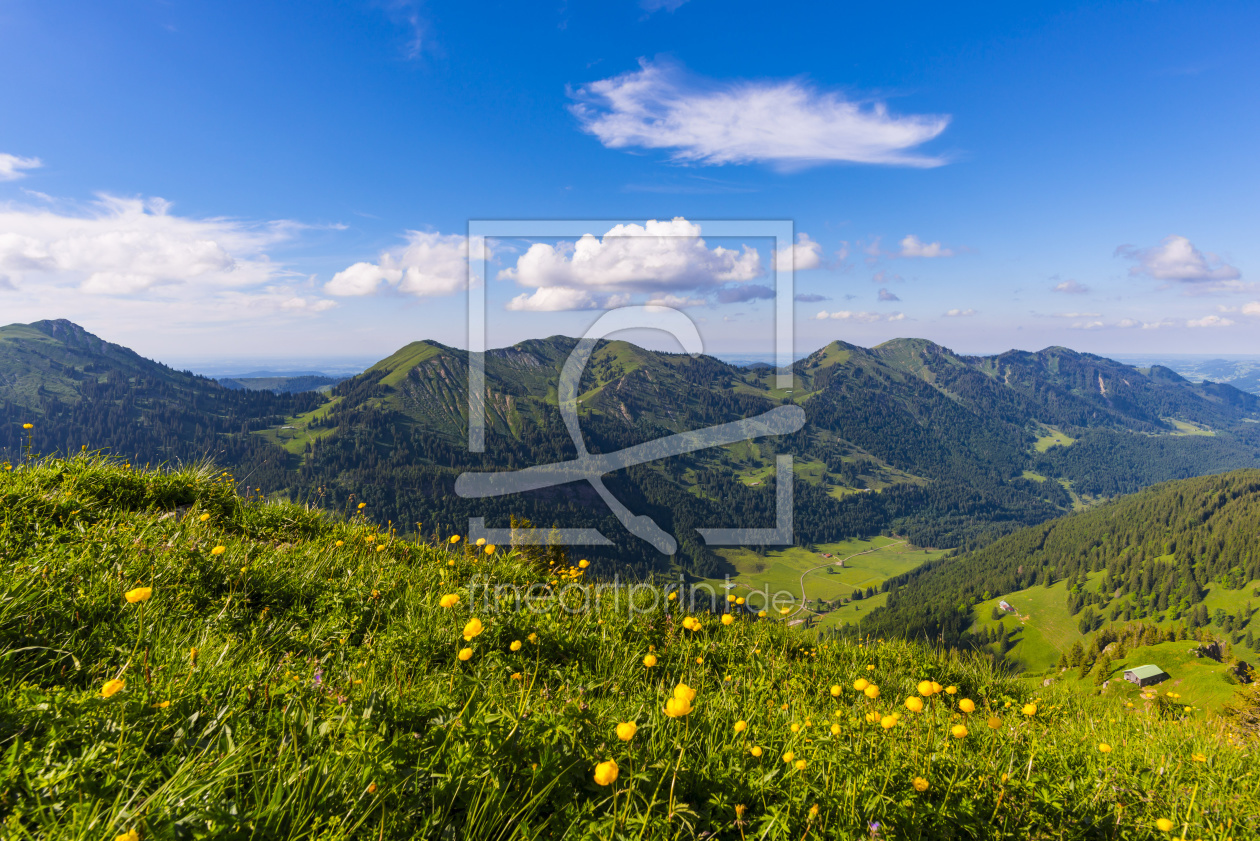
[[177, 662]]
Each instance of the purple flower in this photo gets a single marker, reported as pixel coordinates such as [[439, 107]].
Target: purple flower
[[319, 678]]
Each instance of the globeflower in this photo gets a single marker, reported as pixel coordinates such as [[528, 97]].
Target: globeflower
[[967, 705], [218, 550], [472, 629], [958, 731], [129, 835], [789, 756], [606, 773], [465, 654], [835, 729], [454, 537], [914, 704], [925, 688], [835, 691], [951, 690], [994, 722], [649, 660], [583, 564], [755, 751], [516, 645], [449, 600], [1104, 747], [920, 784], [204, 517], [800, 765], [626, 730], [871, 692], [861, 684], [1030, 710], [112, 687], [888, 722], [727, 619], [140, 594], [741, 726]]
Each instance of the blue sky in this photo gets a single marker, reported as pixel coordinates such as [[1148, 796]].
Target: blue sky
[[214, 180]]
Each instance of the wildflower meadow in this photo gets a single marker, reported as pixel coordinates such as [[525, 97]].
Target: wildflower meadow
[[178, 662]]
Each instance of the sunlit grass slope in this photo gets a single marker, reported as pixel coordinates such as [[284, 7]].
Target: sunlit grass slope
[[306, 681]]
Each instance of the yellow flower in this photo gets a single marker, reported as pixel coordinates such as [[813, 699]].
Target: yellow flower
[[739, 600], [649, 660], [800, 765], [761, 614], [682, 690], [741, 726], [362, 505], [677, 707], [1198, 757], [140, 594], [465, 654], [920, 784], [914, 704], [532, 638], [583, 564], [796, 728], [888, 722], [131, 834], [789, 756], [112, 687], [951, 690], [204, 517], [870, 668], [371, 789], [218, 550], [472, 629], [454, 538], [813, 811], [958, 731], [994, 722], [860, 684], [517, 676], [727, 619], [606, 773], [925, 688], [1164, 825], [1104, 747], [340, 543], [161, 705], [936, 688], [699, 661], [449, 600], [28, 426], [785, 610], [871, 692], [835, 729], [1030, 709], [673, 596], [516, 645], [730, 599], [755, 751], [967, 705], [835, 691], [490, 547], [481, 541], [626, 730]]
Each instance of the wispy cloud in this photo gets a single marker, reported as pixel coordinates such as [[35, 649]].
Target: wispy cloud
[[789, 124], [912, 246], [864, 317], [959, 313], [651, 6], [1071, 287], [13, 167]]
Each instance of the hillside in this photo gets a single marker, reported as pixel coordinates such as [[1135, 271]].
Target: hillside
[[81, 391], [178, 662], [906, 438], [1178, 555]]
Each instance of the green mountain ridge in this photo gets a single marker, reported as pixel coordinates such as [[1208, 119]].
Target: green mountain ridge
[[945, 445]]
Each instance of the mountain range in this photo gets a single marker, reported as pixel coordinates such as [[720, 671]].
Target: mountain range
[[907, 437]]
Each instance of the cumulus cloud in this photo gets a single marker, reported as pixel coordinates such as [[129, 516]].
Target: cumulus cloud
[[957, 313], [12, 166], [553, 299], [129, 246], [656, 258], [1252, 308], [1071, 287], [912, 246], [885, 295], [804, 254], [1177, 260], [785, 123], [862, 317], [429, 264]]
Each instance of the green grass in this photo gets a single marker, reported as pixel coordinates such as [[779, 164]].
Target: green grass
[[295, 439], [1190, 428], [304, 684], [1051, 437]]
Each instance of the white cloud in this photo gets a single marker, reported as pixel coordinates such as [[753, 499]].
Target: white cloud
[[553, 299], [911, 246], [11, 166], [1209, 321], [429, 264], [128, 246], [675, 301], [1088, 325], [863, 317], [1071, 287], [656, 257], [1252, 308], [651, 6], [1177, 260], [957, 313], [802, 255], [789, 124], [1077, 314]]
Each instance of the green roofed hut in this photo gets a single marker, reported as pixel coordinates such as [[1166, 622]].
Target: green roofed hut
[[1145, 675]]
